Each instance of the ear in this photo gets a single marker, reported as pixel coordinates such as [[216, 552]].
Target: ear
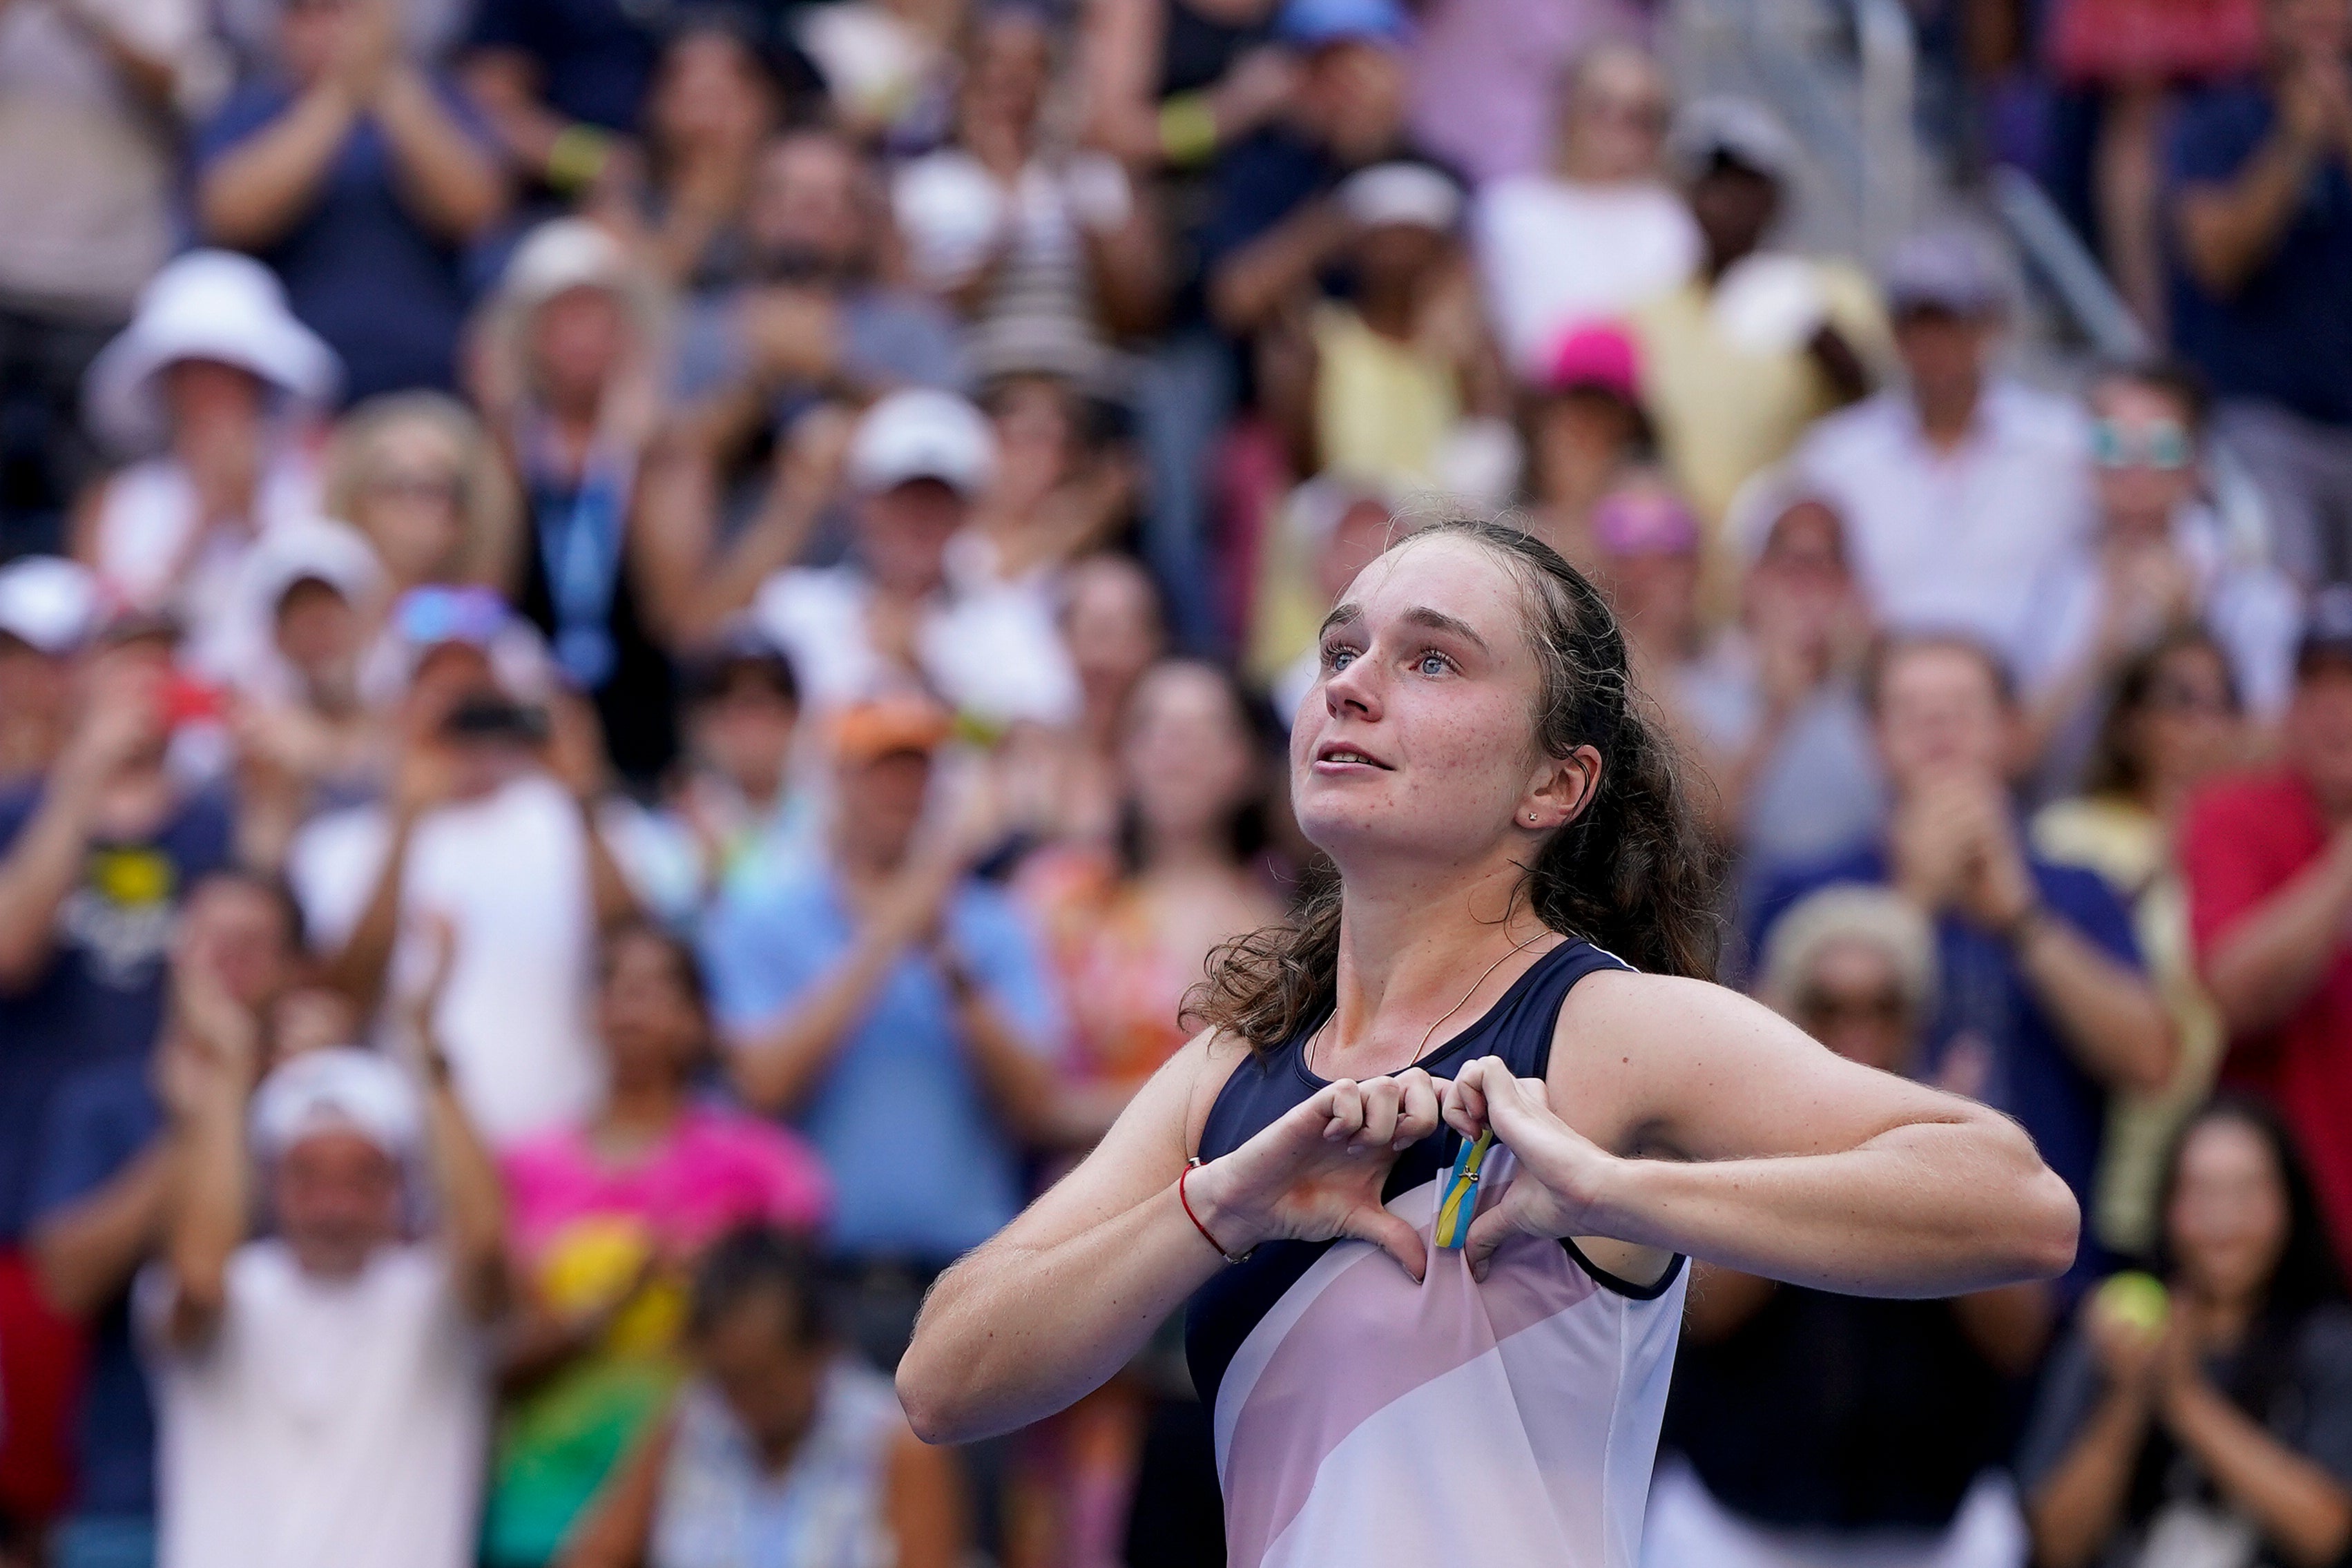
[[1561, 789]]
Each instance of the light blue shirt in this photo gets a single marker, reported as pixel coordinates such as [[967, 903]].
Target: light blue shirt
[[923, 1166]]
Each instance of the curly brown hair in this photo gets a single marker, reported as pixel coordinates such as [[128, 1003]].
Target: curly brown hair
[[1632, 874]]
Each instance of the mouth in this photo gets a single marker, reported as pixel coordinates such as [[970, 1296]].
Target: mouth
[[1337, 757]]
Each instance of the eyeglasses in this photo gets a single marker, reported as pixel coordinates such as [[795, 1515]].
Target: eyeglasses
[[2164, 444], [1886, 1008]]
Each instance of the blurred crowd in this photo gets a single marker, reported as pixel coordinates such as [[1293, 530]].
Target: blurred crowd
[[643, 649]]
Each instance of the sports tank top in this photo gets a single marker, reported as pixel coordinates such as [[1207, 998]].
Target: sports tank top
[[1360, 1417]]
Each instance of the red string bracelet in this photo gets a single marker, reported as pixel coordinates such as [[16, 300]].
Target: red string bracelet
[[1190, 1167]]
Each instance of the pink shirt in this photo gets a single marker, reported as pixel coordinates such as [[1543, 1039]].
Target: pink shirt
[[718, 1169]]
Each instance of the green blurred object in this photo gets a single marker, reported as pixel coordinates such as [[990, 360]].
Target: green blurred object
[[2137, 1299]]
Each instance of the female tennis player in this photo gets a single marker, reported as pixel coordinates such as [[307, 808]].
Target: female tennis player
[[1505, 824]]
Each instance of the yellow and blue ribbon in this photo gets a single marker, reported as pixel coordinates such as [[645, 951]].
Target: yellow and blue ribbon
[[1461, 1200]]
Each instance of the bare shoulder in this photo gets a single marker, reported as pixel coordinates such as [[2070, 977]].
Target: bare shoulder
[[1661, 1064]]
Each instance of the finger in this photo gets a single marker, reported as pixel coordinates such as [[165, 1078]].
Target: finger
[[1344, 1112], [1391, 1234], [1464, 1104], [1381, 1098], [1488, 1232], [1510, 1109], [1417, 1113]]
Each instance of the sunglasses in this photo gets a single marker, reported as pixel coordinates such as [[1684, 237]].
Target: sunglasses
[[2165, 445], [434, 614], [1829, 1009]]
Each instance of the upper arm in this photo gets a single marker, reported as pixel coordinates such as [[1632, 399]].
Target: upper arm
[[1144, 1151], [1652, 1063]]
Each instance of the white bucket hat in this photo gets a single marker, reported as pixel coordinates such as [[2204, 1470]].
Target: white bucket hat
[[203, 305]]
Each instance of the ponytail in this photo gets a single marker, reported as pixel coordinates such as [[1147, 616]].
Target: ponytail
[[1633, 873]]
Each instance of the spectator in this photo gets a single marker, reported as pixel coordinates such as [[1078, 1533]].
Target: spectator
[[1174, 87], [813, 316], [417, 473], [875, 992], [1963, 483], [1817, 1429], [1129, 927], [2261, 207], [2172, 723], [1016, 232], [717, 96], [2136, 58], [48, 610], [735, 801], [2160, 559], [1487, 76], [1597, 233], [102, 1193], [1648, 544], [2269, 866], [87, 178], [571, 383], [2042, 1008], [1387, 385], [1586, 431], [320, 1395], [215, 372], [1781, 689], [1062, 784], [1758, 343], [783, 1451], [493, 824], [357, 177], [1065, 484], [2226, 1424], [559, 80], [893, 620], [607, 1218]]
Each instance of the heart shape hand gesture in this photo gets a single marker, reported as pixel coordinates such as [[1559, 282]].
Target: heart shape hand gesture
[[1317, 1172], [1561, 1173]]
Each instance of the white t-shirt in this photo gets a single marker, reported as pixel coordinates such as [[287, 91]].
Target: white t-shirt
[[1956, 540], [1557, 255], [510, 870], [327, 1421], [992, 651]]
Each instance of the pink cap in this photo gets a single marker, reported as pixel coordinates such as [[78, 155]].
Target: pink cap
[[1598, 354], [1645, 519]]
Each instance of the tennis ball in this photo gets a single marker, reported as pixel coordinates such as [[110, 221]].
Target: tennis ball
[[2137, 1299]]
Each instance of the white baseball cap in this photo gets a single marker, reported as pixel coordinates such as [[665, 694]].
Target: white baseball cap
[[1413, 194], [339, 1089], [49, 603], [922, 434]]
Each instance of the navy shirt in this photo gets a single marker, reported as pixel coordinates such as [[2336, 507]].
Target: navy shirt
[[100, 1120], [1981, 992], [2285, 335], [359, 269], [102, 997], [596, 57]]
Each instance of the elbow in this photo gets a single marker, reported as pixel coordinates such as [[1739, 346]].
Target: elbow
[[929, 1402], [2051, 1227]]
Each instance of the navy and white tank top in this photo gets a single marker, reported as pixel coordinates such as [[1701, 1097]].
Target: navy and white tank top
[[1360, 1417]]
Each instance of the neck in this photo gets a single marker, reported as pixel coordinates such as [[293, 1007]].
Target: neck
[[1946, 413], [645, 1109], [863, 865], [1410, 940], [1181, 851]]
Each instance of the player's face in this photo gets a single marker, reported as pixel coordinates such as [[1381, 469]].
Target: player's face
[[1418, 737]]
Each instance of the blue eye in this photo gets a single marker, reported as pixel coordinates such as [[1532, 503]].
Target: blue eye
[[1339, 658], [1434, 664]]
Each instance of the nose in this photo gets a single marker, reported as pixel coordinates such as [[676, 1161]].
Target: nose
[[1353, 691]]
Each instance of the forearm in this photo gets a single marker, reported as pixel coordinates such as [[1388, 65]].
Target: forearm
[[2110, 1017], [255, 193], [35, 881], [85, 1255], [776, 1071], [453, 184], [358, 967], [609, 893], [1123, 262], [1930, 1208], [504, 82], [472, 1199], [1246, 287], [2227, 235], [2266, 965], [1011, 1334], [211, 1188], [2297, 1505], [2076, 1508]]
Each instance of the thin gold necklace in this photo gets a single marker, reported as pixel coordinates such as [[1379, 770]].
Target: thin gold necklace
[[1307, 1056]]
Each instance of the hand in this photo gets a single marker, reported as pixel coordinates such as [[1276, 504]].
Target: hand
[[794, 335], [1996, 887], [219, 1038], [368, 50], [1561, 1173], [425, 777], [810, 458], [1928, 846], [124, 717], [1316, 1174], [2129, 1354], [1254, 92], [575, 753]]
